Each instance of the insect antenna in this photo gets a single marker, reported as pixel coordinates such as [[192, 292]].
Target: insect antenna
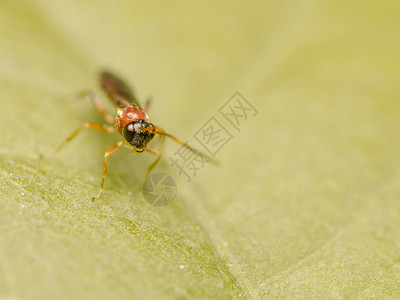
[[161, 132]]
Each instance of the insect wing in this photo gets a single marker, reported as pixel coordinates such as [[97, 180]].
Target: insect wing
[[117, 90]]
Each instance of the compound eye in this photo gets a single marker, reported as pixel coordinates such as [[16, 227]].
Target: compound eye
[[129, 132]]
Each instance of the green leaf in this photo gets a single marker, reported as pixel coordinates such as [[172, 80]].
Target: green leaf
[[304, 202]]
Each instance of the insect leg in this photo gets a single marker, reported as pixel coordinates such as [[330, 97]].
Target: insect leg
[[106, 154], [86, 125], [97, 104], [100, 108], [153, 151], [146, 104]]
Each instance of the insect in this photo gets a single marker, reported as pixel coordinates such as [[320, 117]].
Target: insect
[[131, 121]]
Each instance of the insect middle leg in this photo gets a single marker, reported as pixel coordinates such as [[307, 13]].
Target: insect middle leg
[[86, 125], [108, 152]]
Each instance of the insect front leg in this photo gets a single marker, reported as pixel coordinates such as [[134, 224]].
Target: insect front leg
[[106, 154], [153, 151]]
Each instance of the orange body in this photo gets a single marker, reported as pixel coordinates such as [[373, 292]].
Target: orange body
[[129, 114]]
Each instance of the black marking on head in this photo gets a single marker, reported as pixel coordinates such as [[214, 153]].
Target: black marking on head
[[135, 136]]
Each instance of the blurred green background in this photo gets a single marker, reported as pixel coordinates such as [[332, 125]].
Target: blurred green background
[[305, 202]]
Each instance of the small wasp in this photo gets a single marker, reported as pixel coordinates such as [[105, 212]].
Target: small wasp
[[131, 121]]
